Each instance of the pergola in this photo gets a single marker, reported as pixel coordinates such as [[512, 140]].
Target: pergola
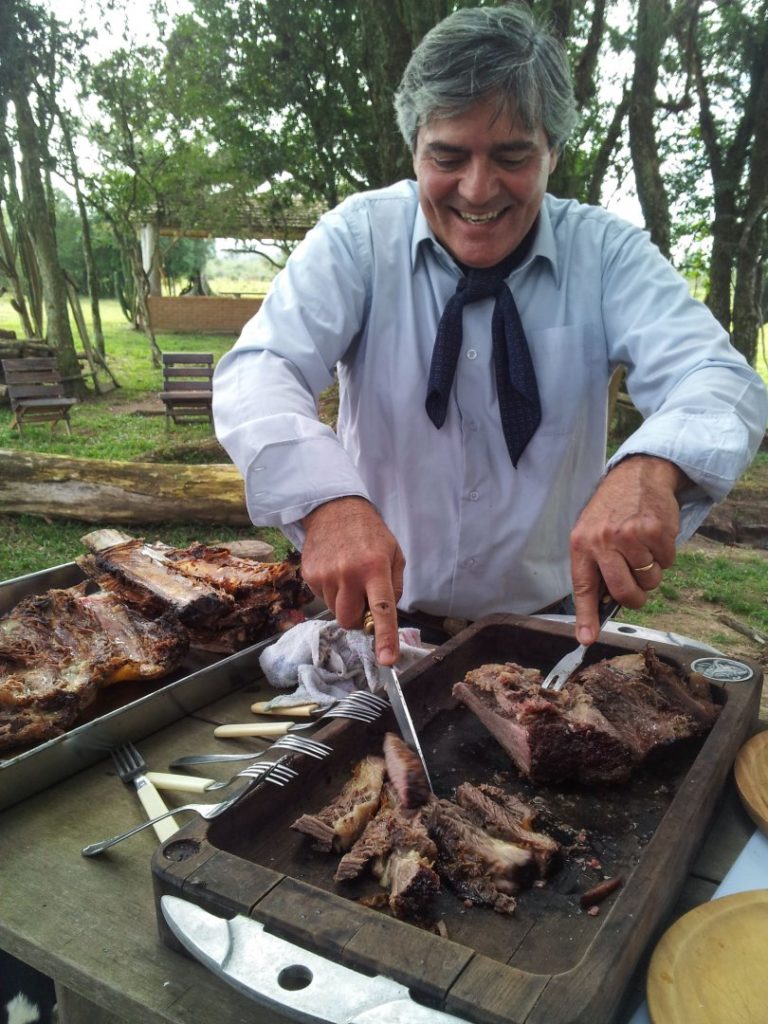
[[225, 214]]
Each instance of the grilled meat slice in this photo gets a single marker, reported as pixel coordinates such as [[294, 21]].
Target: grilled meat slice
[[142, 575], [150, 648], [609, 718], [57, 649], [405, 772], [226, 602], [53, 656], [401, 855], [338, 825], [504, 816], [480, 868]]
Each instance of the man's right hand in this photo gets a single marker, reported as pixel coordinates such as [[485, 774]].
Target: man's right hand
[[351, 560]]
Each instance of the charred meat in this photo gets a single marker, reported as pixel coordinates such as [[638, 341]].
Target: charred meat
[[481, 868], [341, 823], [609, 718], [405, 772], [225, 602], [59, 648]]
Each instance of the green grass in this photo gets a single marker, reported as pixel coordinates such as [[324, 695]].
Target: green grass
[[737, 587], [109, 427]]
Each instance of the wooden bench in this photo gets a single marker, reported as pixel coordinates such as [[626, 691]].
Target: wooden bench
[[187, 387], [36, 392]]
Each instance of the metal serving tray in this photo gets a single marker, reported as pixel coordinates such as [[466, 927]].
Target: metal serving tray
[[121, 713]]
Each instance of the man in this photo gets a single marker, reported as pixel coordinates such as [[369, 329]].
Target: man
[[474, 322]]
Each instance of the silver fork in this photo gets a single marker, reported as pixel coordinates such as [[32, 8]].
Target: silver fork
[[361, 706], [206, 811], [131, 766], [568, 664], [299, 744]]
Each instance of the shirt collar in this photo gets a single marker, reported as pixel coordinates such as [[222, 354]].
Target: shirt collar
[[543, 243]]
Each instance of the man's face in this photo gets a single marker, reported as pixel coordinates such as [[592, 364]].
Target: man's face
[[482, 179]]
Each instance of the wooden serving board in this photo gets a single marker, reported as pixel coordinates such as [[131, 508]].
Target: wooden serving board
[[709, 968], [548, 963], [751, 773]]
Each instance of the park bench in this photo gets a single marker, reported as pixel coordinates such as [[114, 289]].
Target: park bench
[[36, 392], [187, 387]]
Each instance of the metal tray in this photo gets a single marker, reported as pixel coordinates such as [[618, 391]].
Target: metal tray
[[121, 713]]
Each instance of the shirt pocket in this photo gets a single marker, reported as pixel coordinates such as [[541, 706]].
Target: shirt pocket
[[572, 373]]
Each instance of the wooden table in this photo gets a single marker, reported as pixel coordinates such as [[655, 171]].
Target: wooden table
[[90, 924]]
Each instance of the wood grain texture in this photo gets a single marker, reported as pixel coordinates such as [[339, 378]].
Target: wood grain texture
[[751, 772], [121, 492], [709, 967]]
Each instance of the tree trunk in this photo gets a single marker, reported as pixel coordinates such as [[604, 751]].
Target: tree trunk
[[96, 490], [12, 273], [651, 34], [40, 227]]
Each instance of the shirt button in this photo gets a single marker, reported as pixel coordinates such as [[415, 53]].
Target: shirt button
[[471, 562], [471, 354], [473, 495]]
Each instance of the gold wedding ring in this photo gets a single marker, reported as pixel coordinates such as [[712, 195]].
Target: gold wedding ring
[[645, 568]]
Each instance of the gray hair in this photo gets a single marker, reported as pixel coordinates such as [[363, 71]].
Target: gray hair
[[481, 52]]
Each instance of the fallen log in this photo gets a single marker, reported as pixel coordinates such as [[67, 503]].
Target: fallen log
[[98, 490]]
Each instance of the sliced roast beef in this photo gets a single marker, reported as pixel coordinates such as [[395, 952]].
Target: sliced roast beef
[[338, 825], [405, 772], [480, 868], [401, 855], [505, 816], [607, 720]]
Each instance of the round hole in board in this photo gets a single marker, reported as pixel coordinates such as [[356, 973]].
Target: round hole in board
[[294, 978], [626, 629]]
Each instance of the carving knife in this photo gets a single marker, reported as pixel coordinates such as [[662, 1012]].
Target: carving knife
[[289, 979], [397, 699]]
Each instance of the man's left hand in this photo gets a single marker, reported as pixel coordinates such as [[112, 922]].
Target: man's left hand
[[625, 536]]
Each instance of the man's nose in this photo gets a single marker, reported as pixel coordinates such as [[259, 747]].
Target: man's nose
[[479, 183]]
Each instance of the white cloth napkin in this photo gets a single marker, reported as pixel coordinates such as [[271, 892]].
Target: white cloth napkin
[[325, 662]]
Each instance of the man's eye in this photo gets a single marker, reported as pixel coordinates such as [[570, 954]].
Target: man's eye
[[447, 163]]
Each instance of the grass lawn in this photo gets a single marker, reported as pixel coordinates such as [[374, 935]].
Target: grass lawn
[[115, 426]]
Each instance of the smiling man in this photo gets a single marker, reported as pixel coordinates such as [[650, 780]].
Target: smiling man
[[474, 322]]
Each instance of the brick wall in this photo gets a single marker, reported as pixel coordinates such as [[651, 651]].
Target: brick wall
[[205, 314]]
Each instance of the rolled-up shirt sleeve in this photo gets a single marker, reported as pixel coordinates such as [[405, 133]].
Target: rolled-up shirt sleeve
[[267, 387], [704, 408]]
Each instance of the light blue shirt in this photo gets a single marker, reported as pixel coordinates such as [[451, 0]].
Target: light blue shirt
[[363, 294]]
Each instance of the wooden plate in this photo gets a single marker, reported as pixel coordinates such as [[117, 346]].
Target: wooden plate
[[709, 968], [751, 772]]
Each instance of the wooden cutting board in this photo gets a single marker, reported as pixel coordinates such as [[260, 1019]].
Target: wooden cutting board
[[751, 772], [709, 967]]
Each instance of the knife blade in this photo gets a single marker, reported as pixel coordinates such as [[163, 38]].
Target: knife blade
[[283, 976], [396, 697]]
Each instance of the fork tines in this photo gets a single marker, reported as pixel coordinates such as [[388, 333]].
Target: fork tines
[[302, 745], [269, 771], [128, 762], [362, 706]]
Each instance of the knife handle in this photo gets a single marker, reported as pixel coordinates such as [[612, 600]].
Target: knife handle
[[368, 626], [179, 783], [295, 711], [264, 730], [154, 804]]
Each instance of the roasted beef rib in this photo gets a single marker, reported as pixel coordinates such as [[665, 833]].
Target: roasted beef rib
[[610, 717], [58, 648]]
